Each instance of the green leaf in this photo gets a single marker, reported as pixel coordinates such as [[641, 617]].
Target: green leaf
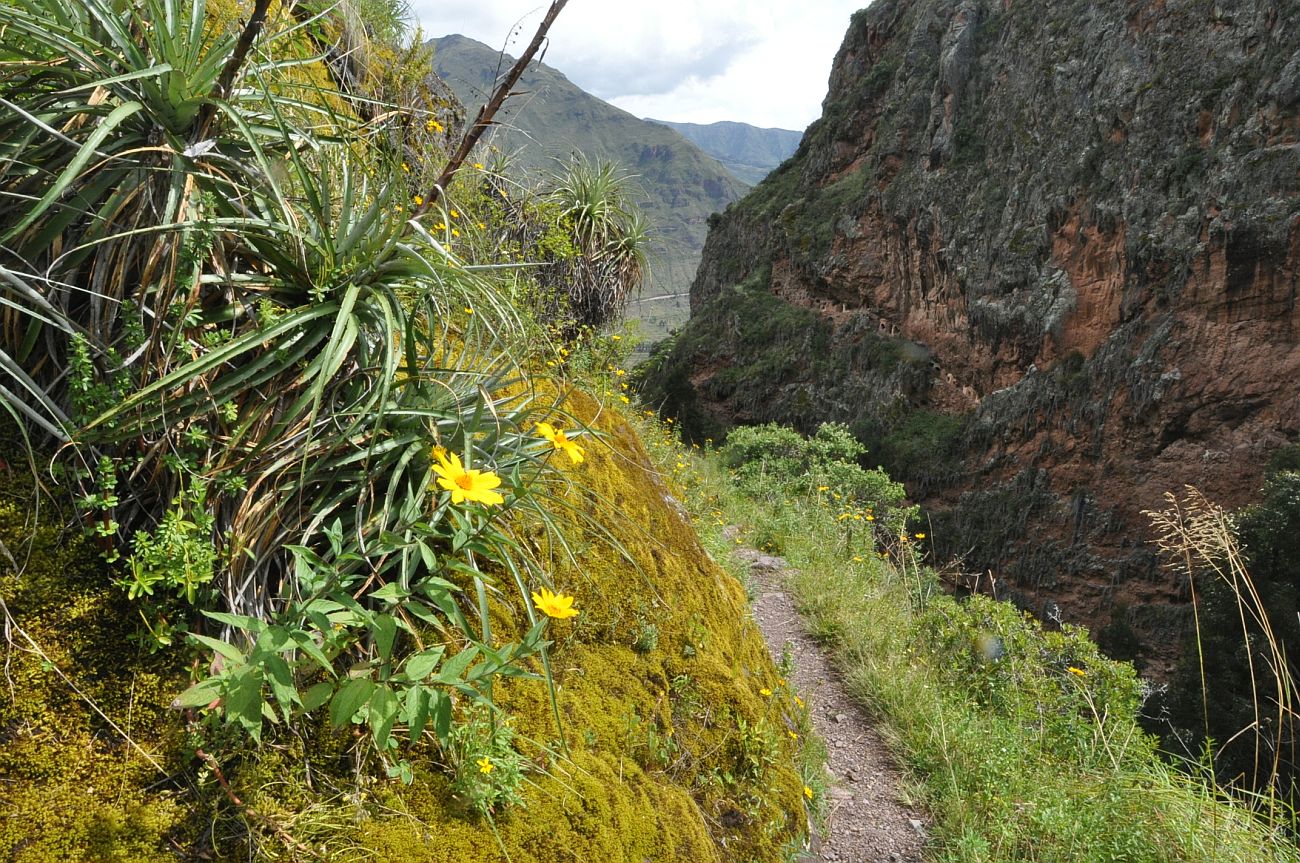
[[348, 700], [453, 668], [224, 648], [200, 694], [244, 701], [383, 713], [70, 174], [308, 645], [441, 705], [422, 664], [317, 695], [282, 687], [384, 626], [391, 592], [417, 710], [426, 554], [239, 621]]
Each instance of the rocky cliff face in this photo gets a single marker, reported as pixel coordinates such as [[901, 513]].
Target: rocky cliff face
[[1044, 258]]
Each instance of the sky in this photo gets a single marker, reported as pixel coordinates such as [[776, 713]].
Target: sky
[[694, 61]]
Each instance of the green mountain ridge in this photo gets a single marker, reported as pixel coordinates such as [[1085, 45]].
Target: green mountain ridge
[[551, 119], [749, 152]]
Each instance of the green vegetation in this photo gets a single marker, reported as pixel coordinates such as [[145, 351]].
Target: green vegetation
[[1226, 696], [677, 186], [748, 152], [1023, 742], [312, 451]]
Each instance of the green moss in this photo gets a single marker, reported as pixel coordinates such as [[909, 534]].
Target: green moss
[[75, 788], [672, 752], [659, 766]]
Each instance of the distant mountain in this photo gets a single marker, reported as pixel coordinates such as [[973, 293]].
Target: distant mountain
[[551, 118], [747, 151]]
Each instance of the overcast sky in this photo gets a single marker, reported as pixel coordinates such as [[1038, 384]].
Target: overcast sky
[[696, 61]]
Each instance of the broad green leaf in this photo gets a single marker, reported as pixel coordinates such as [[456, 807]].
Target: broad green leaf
[[307, 644], [391, 592], [244, 701], [422, 664], [224, 648], [383, 713], [317, 695], [348, 700], [282, 686], [200, 694], [441, 709], [453, 668], [384, 626], [417, 710]]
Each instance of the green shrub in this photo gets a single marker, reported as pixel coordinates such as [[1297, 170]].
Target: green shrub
[[779, 460]]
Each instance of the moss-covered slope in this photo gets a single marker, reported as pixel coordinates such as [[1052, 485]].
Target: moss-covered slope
[[673, 752]]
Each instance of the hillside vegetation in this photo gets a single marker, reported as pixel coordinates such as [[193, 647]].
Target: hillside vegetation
[[747, 151], [677, 186], [329, 530], [312, 546], [1024, 740]]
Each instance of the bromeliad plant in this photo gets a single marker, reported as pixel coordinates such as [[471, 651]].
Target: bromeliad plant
[[215, 303]]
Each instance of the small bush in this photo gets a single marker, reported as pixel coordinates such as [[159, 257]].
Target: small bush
[[771, 458]]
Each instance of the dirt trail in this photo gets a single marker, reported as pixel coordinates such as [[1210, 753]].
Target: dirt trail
[[867, 822]]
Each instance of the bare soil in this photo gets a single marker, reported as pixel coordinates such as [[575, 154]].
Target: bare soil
[[868, 820]]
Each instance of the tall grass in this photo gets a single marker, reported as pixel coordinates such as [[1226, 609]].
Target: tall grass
[[1023, 743]]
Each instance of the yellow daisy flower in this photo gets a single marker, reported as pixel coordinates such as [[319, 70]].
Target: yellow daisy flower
[[560, 441], [465, 484], [556, 605]]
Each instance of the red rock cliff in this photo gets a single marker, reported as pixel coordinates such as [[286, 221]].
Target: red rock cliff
[[1044, 259]]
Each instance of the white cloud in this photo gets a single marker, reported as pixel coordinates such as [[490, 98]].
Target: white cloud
[[761, 63]]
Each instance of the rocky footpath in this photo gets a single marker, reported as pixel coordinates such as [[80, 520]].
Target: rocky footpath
[[1044, 259]]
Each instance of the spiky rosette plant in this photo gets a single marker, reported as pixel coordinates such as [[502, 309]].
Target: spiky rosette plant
[[603, 261], [218, 307]]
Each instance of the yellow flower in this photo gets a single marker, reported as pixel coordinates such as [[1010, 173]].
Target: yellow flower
[[620, 373], [765, 692], [419, 201], [807, 792], [469, 310], [478, 166], [555, 605], [616, 338], [920, 536], [823, 488], [485, 765], [440, 227], [625, 400], [455, 233], [798, 701], [793, 736], [465, 484], [1078, 672], [433, 126], [406, 168], [560, 441]]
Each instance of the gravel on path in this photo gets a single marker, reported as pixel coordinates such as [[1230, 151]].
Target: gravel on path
[[867, 821]]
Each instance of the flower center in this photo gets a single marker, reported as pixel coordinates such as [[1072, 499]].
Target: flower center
[[465, 481]]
